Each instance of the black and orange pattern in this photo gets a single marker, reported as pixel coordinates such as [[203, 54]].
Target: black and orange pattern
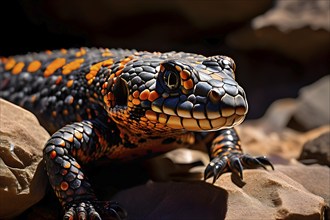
[[124, 105]]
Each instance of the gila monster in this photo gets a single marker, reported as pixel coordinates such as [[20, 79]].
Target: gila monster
[[122, 105]]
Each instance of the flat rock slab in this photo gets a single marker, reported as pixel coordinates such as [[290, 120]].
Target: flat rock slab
[[21, 142], [266, 195]]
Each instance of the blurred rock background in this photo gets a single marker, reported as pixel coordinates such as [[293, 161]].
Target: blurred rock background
[[279, 45]]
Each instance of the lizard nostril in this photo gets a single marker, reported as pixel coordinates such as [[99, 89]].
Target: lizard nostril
[[214, 96]]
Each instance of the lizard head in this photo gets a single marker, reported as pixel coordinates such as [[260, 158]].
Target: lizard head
[[176, 91]]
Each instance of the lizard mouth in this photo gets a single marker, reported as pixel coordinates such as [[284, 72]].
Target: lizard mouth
[[193, 124], [216, 111]]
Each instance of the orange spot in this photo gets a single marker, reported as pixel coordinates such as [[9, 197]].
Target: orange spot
[[144, 94], [62, 143], [53, 66], [90, 81], [65, 112], [64, 186], [54, 113], [184, 74], [10, 64], [52, 154], [49, 52], [34, 66], [33, 98], [107, 62], [119, 72], [106, 54], [76, 164], [18, 68], [106, 101], [3, 59], [69, 83], [130, 104], [218, 139], [78, 135], [105, 85], [93, 70], [188, 84], [122, 64], [153, 95], [66, 164], [136, 101], [90, 75], [151, 115], [68, 68], [58, 80], [81, 52], [64, 51], [136, 94]]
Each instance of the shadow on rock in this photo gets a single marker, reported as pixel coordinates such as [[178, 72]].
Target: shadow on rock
[[174, 200]]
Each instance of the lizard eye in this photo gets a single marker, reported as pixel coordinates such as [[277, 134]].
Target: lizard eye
[[120, 92], [171, 79]]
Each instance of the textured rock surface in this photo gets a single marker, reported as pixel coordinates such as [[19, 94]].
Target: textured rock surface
[[271, 195], [21, 143], [266, 195]]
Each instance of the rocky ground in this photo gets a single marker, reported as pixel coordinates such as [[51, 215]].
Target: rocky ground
[[279, 46]]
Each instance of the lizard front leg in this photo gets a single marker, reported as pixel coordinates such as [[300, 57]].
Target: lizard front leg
[[227, 156], [83, 142]]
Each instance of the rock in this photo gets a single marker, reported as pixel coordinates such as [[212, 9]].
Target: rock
[[317, 150], [289, 123], [22, 178], [258, 139], [311, 14], [271, 195], [315, 179], [266, 195], [313, 106], [278, 31]]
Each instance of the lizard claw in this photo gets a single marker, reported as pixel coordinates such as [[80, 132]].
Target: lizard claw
[[234, 163], [86, 211], [215, 168], [81, 211]]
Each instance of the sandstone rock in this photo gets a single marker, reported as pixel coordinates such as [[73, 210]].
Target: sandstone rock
[[287, 143], [22, 180], [271, 195], [315, 178], [266, 195], [317, 151]]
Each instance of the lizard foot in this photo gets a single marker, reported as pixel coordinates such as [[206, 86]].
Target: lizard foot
[[234, 163], [87, 211]]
